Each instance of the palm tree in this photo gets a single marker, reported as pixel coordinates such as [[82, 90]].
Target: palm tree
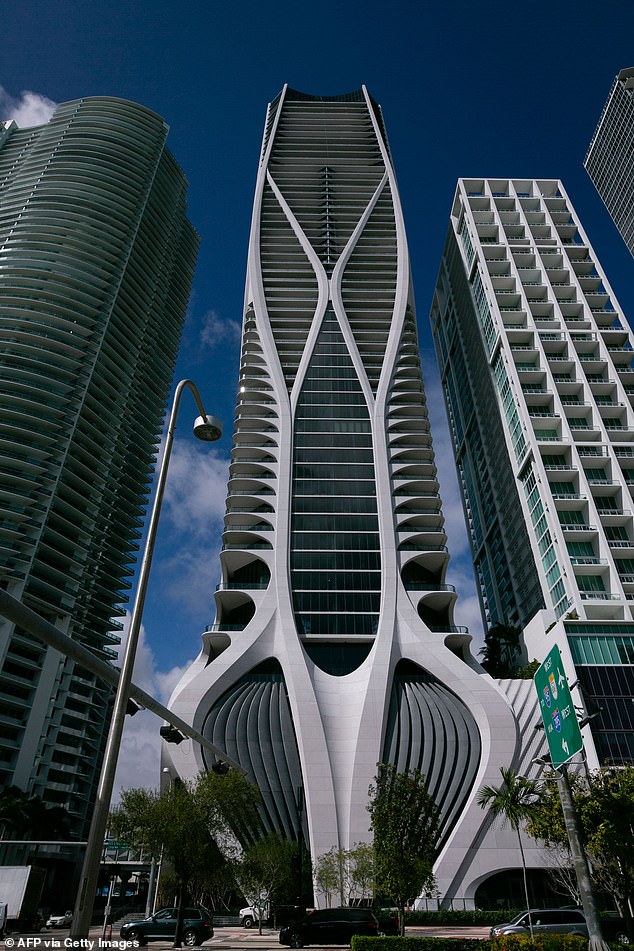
[[512, 800], [501, 651], [28, 817]]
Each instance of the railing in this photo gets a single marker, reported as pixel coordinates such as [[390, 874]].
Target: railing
[[448, 628], [246, 546], [588, 560], [599, 596], [221, 626], [416, 586], [242, 586], [577, 527]]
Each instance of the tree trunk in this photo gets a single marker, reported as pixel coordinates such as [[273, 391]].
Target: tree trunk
[[180, 914], [528, 904]]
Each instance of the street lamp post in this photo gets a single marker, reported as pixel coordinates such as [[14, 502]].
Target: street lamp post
[[207, 428]]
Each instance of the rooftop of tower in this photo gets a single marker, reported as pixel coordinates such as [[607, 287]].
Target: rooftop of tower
[[358, 95], [295, 96]]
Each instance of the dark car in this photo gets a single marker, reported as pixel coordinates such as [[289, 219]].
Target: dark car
[[388, 919], [285, 914], [197, 926], [545, 921], [330, 926], [613, 928]]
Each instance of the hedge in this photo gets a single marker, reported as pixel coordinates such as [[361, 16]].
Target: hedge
[[515, 942], [476, 916], [421, 943]]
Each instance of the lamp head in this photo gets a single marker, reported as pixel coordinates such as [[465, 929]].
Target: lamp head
[[208, 428]]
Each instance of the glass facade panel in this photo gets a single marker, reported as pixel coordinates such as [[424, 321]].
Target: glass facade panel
[[334, 524]]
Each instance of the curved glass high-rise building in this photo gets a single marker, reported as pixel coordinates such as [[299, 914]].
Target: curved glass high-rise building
[[96, 261], [334, 646], [609, 160]]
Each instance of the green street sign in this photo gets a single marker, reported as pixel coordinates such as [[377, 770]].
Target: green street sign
[[558, 713]]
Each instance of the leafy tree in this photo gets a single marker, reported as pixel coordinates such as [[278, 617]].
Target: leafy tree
[[168, 886], [195, 825], [348, 872], [266, 871], [405, 823], [230, 803], [604, 803], [361, 871], [328, 875], [527, 672], [513, 801], [607, 814], [546, 822], [213, 886]]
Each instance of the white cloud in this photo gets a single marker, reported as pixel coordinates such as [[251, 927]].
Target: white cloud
[[30, 109], [194, 507], [139, 758], [215, 330], [189, 577], [196, 489]]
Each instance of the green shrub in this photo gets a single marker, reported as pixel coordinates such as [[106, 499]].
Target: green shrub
[[419, 943], [447, 916], [541, 942], [514, 942], [544, 942]]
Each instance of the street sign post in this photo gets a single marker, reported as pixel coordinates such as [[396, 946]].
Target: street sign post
[[557, 709]]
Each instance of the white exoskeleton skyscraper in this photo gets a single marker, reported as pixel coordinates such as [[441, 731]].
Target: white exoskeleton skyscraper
[[334, 646]]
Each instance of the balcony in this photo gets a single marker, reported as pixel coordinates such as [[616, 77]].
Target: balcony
[[571, 527], [448, 628], [581, 560], [598, 596]]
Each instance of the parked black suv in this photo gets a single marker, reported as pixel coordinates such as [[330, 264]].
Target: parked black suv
[[197, 926], [330, 926]]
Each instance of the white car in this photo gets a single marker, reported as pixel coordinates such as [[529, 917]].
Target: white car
[[60, 921], [250, 916]]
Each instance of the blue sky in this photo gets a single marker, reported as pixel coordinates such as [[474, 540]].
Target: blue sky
[[468, 89]]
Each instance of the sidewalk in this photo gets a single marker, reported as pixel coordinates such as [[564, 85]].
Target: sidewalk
[[229, 937]]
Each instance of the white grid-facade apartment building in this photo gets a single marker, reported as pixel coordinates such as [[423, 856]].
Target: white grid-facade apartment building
[[536, 361]]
